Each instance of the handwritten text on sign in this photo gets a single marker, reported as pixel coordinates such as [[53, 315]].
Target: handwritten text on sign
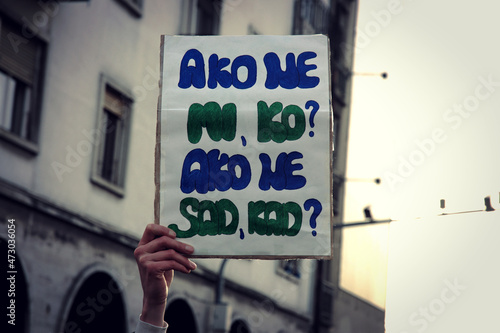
[[238, 176]]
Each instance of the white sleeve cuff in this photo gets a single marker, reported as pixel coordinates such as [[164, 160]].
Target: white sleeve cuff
[[143, 327]]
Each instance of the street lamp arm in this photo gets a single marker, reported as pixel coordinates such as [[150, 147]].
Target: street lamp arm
[[383, 75], [355, 224], [220, 283]]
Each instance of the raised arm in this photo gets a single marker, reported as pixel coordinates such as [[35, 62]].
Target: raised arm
[[158, 255]]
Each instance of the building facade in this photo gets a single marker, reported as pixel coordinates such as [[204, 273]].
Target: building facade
[[78, 99]]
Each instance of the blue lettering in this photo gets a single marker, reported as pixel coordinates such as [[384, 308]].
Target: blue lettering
[[294, 182], [245, 172], [210, 176], [219, 179], [282, 177], [248, 62], [195, 179], [268, 178], [287, 79], [192, 75], [306, 81], [295, 75], [216, 72]]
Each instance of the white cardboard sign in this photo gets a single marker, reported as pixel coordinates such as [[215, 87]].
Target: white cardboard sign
[[244, 145]]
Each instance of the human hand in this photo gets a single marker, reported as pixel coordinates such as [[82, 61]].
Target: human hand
[[158, 255]]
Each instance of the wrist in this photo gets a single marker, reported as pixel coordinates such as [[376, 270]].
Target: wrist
[[153, 313]]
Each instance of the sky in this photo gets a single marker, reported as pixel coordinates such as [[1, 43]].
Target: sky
[[430, 131], [444, 286]]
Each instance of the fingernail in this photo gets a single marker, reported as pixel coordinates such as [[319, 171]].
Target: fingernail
[[192, 265], [171, 233], [189, 248]]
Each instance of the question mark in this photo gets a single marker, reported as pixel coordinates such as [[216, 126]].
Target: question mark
[[316, 211], [315, 108]]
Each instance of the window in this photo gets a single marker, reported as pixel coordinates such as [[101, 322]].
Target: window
[[20, 77], [208, 17], [239, 326], [201, 17], [113, 132], [341, 77], [251, 30], [311, 16], [110, 315], [289, 269], [340, 33], [180, 317]]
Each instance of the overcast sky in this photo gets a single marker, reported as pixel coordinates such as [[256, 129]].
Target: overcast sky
[[430, 131]]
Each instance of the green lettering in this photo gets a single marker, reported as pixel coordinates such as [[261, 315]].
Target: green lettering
[[193, 220], [219, 123], [295, 210], [255, 223], [223, 206]]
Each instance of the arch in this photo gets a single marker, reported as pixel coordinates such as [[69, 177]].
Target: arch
[[239, 326], [17, 291], [95, 303], [180, 317]]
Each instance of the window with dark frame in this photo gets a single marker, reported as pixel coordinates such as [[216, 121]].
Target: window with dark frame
[[114, 124], [311, 16], [290, 268], [20, 82], [209, 12]]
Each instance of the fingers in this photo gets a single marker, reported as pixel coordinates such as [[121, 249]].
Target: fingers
[[163, 261], [166, 243], [153, 231], [168, 259], [158, 251]]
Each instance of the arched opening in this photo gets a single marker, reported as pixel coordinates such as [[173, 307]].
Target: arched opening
[[239, 326], [180, 317], [97, 306], [16, 289]]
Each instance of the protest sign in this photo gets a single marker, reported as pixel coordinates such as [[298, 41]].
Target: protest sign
[[244, 145]]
